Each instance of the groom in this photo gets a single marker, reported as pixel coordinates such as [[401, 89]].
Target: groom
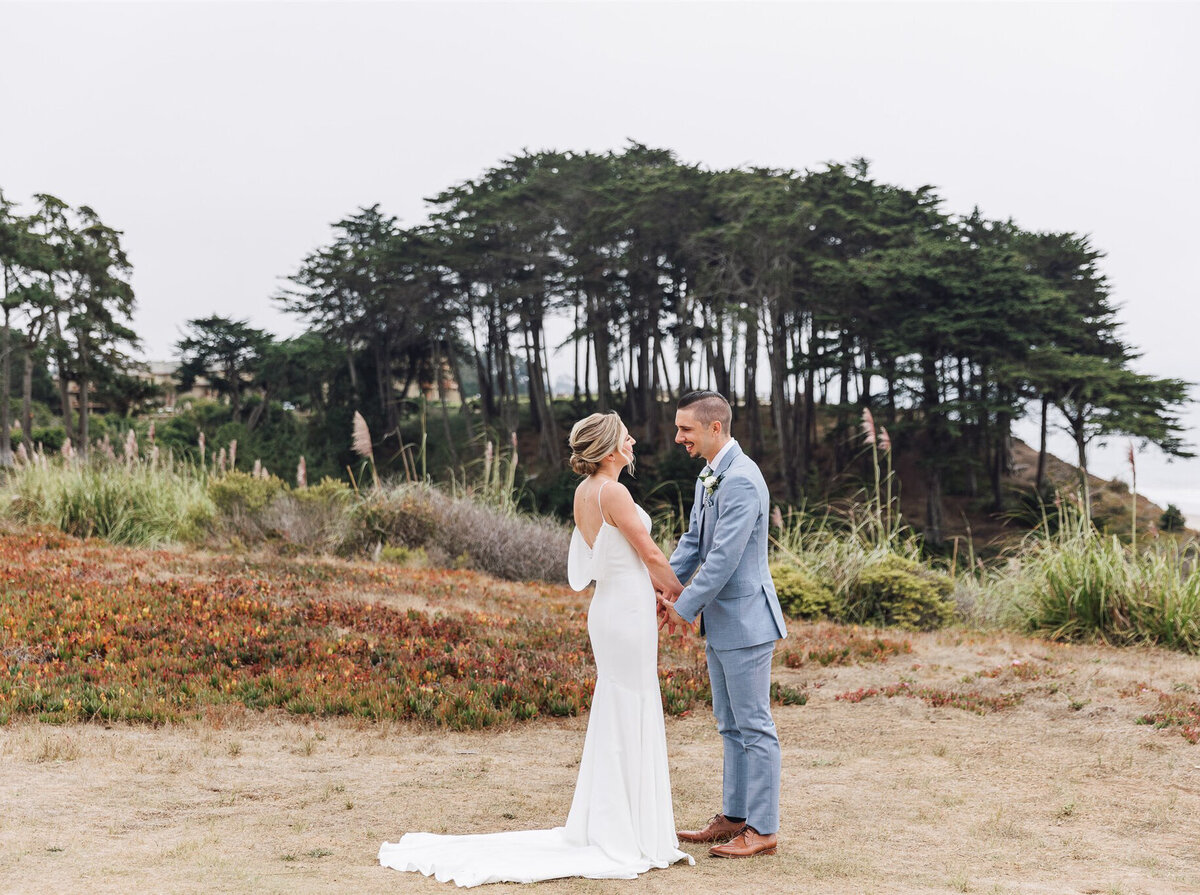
[[724, 553]]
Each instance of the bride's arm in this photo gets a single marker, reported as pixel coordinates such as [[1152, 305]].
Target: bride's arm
[[620, 510]]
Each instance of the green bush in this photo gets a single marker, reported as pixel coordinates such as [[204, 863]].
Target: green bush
[[240, 493], [51, 438], [803, 596], [327, 491], [901, 592], [401, 516]]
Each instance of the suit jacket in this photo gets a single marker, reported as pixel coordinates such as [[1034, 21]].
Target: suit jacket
[[724, 554]]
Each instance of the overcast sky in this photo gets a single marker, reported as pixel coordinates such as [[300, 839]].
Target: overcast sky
[[224, 138]]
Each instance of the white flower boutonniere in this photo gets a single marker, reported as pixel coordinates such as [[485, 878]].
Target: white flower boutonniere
[[710, 480]]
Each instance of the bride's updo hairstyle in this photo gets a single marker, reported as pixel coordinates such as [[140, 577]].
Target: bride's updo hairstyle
[[592, 439]]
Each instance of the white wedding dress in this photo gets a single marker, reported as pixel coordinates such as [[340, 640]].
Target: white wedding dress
[[621, 822]]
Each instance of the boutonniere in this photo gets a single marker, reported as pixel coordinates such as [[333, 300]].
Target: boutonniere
[[710, 480]]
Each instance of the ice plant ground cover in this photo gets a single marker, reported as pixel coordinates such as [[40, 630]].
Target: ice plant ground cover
[[94, 632]]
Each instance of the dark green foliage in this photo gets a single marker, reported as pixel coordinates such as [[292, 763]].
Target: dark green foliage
[[801, 595], [673, 276], [901, 592], [1172, 519], [224, 351], [51, 438]]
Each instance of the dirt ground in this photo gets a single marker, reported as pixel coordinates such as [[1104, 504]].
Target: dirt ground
[[1062, 793]]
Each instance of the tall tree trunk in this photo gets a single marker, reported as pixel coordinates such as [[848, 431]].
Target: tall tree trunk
[[6, 452], [841, 440], [808, 438], [865, 375], [485, 396], [257, 413], [753, 414], [598, 324], [1039, 481], [575, 345], [666, 373], [85, 389], [587, 370], [1080, 436], [235, 391], [456, 376], [545, 423], [996, 467], [383, 384], [444, 354], [27, 399], [934, 520], [353, 372], [512, 409], [777, 358], [533, 368], [653, 421], [934, 447], [64, 394], [683, 350]]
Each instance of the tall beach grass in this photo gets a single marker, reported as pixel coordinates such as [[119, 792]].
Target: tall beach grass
[[139, 504], [1077, 584]]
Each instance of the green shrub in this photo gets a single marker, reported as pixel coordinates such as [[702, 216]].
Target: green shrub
[[803, 596], [51, 438], [240, 493], [327, 491], [901, 592], [402, 516]]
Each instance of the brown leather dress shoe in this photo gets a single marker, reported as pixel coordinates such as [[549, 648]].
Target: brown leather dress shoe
[[746, 844], [717, 830]]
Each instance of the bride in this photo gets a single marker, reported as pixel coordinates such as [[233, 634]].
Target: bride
[[621, 821]]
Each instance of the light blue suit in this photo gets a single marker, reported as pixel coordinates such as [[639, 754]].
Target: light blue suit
[[724, 554]]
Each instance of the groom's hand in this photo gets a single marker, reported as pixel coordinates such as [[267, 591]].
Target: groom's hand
[[668, 617], [673, 619]]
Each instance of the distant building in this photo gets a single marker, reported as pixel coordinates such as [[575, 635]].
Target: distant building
[[165, 375], [162, 374]]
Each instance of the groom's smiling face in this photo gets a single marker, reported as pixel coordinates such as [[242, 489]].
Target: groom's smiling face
[[699, 440]]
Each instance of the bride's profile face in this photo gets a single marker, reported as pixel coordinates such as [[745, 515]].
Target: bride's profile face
[[625, 451]]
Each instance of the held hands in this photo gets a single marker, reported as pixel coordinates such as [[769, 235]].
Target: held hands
[[667, 616]]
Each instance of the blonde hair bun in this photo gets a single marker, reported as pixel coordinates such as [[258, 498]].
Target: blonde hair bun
[[592, 439]]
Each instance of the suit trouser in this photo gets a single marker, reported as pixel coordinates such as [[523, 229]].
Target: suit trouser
[[741, 689]]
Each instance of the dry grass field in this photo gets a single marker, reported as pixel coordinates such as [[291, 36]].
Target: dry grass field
[[948, 762]]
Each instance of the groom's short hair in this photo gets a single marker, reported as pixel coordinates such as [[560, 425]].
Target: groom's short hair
[[709, 407]]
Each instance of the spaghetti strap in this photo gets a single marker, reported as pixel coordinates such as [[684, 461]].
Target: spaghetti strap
[[599, 491]]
